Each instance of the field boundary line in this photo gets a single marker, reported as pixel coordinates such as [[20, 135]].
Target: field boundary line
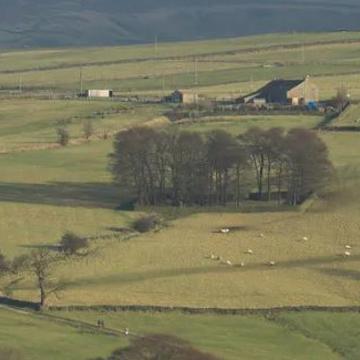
[[271, 311]]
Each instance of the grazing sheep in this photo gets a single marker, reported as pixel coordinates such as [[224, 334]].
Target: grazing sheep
[[348, 247], [242, 264], [228, 262], [126, 332], [250, 252], [225, 231], [262, 235], [272, 263], [213, 257], [347, 253], [305, 238]]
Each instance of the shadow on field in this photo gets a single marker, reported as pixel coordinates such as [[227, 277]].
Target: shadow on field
[[45, 247], [18, 304], [92, 195], [350, 274], [215, 269]]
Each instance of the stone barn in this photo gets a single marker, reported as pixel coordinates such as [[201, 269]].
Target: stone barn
[[183, 97], [284, 92]]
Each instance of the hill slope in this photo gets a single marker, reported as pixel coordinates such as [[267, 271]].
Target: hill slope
[[108, 22]]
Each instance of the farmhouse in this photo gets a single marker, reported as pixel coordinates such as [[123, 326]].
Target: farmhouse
[[99, 93], [183, 97], [284, 92]]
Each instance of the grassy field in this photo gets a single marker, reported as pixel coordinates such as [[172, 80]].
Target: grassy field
[[239, 64], [294, 336], [45, 191], [41, 339], [71, 188], [239, 124], [27, 124], [289, 336], [350, 117]]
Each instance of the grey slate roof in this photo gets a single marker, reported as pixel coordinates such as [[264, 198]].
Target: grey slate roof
[[275, 91]]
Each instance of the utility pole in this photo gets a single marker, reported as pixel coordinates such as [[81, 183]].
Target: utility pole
[[81, 81], [20, 84], [156, 46], [196, 72], [303, 54]]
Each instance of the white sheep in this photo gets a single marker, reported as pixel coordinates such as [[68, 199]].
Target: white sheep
[[305, 238], [228, 262], [272, 263], [348, 247], [262, 235], [225, 231], [347, 253], [213, 257], [242, 264], [250, 252]]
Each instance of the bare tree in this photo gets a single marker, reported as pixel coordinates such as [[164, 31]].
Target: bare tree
[[40, 263], [63, 136], [342, 98]]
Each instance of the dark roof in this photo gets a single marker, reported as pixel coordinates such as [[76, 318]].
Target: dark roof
[[274, 91]]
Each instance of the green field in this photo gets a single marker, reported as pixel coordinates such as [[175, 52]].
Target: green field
[[239, 124], [288, 336], [46, 190], [27, 124], [240, 64]]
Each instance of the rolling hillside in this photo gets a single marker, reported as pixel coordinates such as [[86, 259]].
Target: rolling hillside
[[36, 23]]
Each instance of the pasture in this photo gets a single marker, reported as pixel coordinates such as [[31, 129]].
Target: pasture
[[214, 67], [239, 124], [28, 124], [46, 190], [297, 336]]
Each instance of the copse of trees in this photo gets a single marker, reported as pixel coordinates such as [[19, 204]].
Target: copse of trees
[[161, 347], [186, 168]]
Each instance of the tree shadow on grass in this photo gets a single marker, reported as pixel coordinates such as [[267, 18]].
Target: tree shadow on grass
[[18, 304], [41, 247], [213, 269], [89, 195], [343, 273]]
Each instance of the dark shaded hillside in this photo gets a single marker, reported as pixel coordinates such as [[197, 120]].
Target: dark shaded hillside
[[109, 22]]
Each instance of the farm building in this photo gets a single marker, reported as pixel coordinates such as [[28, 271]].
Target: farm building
[[99, 93], [284, 92], [183, 97]]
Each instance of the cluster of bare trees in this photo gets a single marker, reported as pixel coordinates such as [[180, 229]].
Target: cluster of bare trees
[[187, 168]]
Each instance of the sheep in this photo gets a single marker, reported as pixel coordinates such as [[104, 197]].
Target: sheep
[[228, 262], [213, 257], [347, 253], [262, 235], [272, 263], [305, 238], [348, 247], [242, 264], [126, 332], [250, 252], [225, 231]]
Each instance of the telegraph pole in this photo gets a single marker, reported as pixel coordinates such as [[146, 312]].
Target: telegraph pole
[[81, 81], [196, 72]]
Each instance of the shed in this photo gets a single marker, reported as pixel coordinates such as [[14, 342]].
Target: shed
[[183, 97], [94, 93]]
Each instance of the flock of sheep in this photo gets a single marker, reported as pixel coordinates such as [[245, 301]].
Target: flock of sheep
[[223, 261]]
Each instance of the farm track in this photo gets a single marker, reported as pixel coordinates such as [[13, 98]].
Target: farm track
[[200, 56]]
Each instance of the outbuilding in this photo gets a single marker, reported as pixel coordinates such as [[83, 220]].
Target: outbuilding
[[94, 93], [183, 97]]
